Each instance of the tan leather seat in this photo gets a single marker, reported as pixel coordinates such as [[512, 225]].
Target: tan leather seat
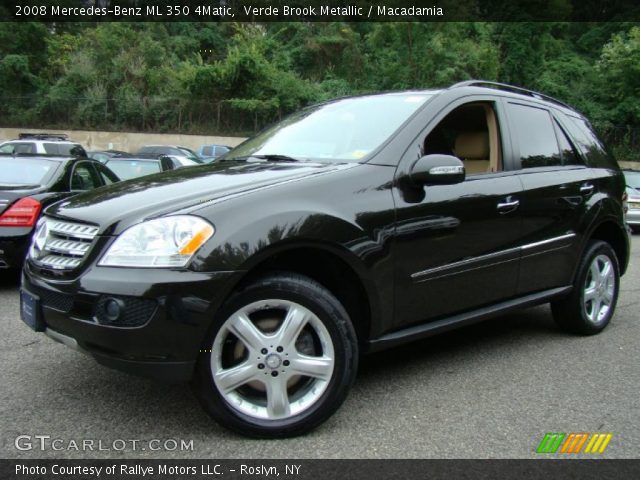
[[473, 149]]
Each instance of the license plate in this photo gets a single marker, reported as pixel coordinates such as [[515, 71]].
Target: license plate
[[30, 311]]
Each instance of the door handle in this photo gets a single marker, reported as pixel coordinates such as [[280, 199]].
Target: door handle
[[509, 205], [586, 188]]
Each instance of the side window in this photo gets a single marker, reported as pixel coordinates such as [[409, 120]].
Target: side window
[[27, 147], [84, 178], [207, 151], [587, 141], [471, 133], [569, 154], [534, 135], [51, 148], [8, 148]]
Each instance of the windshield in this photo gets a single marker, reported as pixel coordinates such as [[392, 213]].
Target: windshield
[[633, 179], [340, 131], [26, 171], [126, 169]]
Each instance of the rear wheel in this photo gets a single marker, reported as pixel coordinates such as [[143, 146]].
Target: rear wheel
[[280, 358], [591, 304]]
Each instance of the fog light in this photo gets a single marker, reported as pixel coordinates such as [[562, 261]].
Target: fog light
[[113, 309]]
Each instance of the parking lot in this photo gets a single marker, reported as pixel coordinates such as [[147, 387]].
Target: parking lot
[[487, 391]]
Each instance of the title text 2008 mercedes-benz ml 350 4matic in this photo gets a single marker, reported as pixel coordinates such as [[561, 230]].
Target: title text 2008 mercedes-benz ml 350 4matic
[[351, 226]]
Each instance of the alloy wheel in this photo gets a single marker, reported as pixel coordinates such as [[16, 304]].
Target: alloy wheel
[[272, 359]]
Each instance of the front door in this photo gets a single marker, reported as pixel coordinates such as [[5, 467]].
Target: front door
[[457, 246]]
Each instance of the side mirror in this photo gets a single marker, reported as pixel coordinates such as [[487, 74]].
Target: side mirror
[[437, 169]]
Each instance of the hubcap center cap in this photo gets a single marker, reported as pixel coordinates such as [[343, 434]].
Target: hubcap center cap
[[273, 361]]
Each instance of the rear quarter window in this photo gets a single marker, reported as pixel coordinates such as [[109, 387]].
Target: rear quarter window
[[589, 144]]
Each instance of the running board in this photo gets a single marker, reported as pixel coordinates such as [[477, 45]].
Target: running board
[[467, 318]]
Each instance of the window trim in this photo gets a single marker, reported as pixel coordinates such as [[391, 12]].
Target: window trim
[[504, 137], [517, 155], [92, 172]]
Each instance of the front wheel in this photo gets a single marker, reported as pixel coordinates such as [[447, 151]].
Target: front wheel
[[280, 358], [591, 304]]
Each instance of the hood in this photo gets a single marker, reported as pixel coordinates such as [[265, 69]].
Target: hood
[[118, 206]]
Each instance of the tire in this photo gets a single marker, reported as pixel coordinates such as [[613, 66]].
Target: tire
[[592, 302], [249, 375]]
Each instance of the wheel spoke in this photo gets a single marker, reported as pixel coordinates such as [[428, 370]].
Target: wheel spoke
[[278, 405], [605, 273], [595, 272], [230, 379], [316, 367], [595, 308], [607, 295], [590, 294], [291, 327], [243, 328]]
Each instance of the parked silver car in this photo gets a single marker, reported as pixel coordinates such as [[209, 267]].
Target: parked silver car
[[632, 177]]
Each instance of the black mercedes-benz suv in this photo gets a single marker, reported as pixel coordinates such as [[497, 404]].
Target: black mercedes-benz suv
[[352, 226]]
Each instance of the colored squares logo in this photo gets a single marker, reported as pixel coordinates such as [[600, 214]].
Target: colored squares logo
[[580, 442]]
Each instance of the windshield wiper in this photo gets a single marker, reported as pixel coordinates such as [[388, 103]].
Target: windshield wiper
[[268, 157]]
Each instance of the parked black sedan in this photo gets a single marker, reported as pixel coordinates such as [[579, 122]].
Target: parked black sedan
[[28, 183]]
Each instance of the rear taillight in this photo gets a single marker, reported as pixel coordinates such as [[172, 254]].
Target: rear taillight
[[23, 213]]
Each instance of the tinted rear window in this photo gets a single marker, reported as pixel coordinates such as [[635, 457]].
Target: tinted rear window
[[26, 171], [126, 169], [535, 136], [592, 148]]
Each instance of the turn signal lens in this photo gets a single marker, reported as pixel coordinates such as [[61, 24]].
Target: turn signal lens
[[23, 213]]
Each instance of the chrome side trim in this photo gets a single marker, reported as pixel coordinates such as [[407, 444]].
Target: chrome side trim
[[465, 262], [547, 241], [483, 260]]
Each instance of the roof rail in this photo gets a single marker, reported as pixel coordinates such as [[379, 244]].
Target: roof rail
[[510, 88], [43, 136]]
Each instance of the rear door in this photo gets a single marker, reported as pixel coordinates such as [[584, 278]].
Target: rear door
[[556, 188]]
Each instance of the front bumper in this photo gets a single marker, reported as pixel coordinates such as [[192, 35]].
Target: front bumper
[[14, 242], [163, 342]]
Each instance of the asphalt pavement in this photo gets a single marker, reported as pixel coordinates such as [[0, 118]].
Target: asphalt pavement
[[488, 391]]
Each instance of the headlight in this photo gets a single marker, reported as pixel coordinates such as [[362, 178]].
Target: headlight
[[163, 242]]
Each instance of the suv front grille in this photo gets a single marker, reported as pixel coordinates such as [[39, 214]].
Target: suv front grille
[[61, 245]]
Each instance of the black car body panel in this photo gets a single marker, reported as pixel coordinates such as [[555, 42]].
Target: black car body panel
[[425, 259]]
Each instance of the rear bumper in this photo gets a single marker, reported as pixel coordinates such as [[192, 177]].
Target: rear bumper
[[161, 339], [14, 243]]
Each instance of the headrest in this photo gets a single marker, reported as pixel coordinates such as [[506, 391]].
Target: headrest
[[472, 145]]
